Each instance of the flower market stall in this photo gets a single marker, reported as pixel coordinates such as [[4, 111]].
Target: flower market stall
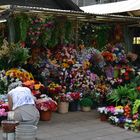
[[71, 65]]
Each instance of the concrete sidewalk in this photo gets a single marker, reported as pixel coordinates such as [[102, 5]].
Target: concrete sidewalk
[[81, 126]]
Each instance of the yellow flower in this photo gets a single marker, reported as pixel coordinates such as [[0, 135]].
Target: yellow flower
[[37, 86], [65, 65], [86, 64], [135, 122], [119, 107]]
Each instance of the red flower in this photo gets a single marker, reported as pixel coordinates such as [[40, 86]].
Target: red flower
[[138, 88]]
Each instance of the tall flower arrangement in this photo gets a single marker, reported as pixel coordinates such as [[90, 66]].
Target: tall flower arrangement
[[83, 81]]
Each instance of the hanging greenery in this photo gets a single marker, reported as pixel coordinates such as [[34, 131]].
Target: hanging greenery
[[35, 31], [90, 33], [61, 33], [68, 32], [48, 27], [21, 27]]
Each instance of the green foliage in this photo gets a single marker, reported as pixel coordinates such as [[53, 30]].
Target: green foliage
[[3, 87], [86, 102], [123, 95], [136, 106], [12, 55], [136, 81], [89, 32], [61, 33], [21, 27], [133, 96], [18, 55]]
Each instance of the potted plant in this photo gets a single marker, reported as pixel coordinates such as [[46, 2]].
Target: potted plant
[[121, 95], [75, 96], [86, 104], [63, 102], [46, 106]]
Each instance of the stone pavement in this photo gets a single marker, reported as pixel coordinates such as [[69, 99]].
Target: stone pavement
[[81, 126]]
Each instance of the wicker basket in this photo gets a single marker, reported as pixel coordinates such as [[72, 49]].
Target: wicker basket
[[9, 126]]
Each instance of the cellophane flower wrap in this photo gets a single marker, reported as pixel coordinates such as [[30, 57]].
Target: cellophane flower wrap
[[75, 96], [46, 104], [62, 97]]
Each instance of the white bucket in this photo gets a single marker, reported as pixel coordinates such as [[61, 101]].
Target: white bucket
[[8, 136], [25, 132], [63, 107]]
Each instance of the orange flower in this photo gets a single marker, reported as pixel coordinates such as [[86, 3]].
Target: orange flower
[[65, 65]]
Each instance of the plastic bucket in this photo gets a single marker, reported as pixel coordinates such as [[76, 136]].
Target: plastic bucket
[[63, 107], [26, 132]]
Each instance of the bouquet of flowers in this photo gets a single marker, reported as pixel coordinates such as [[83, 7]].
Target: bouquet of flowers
[[20, 74], [46, 104], [35, 86], [82, 81], [108, 56], [62, 97], [102, 110], [3, 112], [54, 88], [75, 95]]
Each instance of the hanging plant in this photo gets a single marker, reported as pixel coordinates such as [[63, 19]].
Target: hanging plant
[[35, 30], [68, 32], [48, 27], [21, 27]]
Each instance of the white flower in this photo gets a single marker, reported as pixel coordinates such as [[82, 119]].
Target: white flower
[[102, 110]]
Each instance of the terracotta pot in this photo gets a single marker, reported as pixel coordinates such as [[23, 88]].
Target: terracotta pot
[[86, 108], [103, 117], [63, 107], [45, 115]]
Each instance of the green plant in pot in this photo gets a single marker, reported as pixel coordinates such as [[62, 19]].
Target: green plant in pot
[[122, 95], [86, 104]]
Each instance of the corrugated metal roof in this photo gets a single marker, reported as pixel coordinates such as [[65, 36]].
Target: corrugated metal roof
[[78, 14], [112, 8]]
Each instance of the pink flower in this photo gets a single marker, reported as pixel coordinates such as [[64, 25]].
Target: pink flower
[[110, 109]]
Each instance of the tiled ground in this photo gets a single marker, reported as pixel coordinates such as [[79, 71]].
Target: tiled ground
[[81, 126]]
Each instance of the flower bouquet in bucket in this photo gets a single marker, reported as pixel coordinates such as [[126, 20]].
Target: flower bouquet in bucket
[[46, 106], [63, 102]]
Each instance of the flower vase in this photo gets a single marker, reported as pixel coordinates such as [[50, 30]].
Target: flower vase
[[73, 106], [63, 107], [103, 117], [45, 115], [86, 108]]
